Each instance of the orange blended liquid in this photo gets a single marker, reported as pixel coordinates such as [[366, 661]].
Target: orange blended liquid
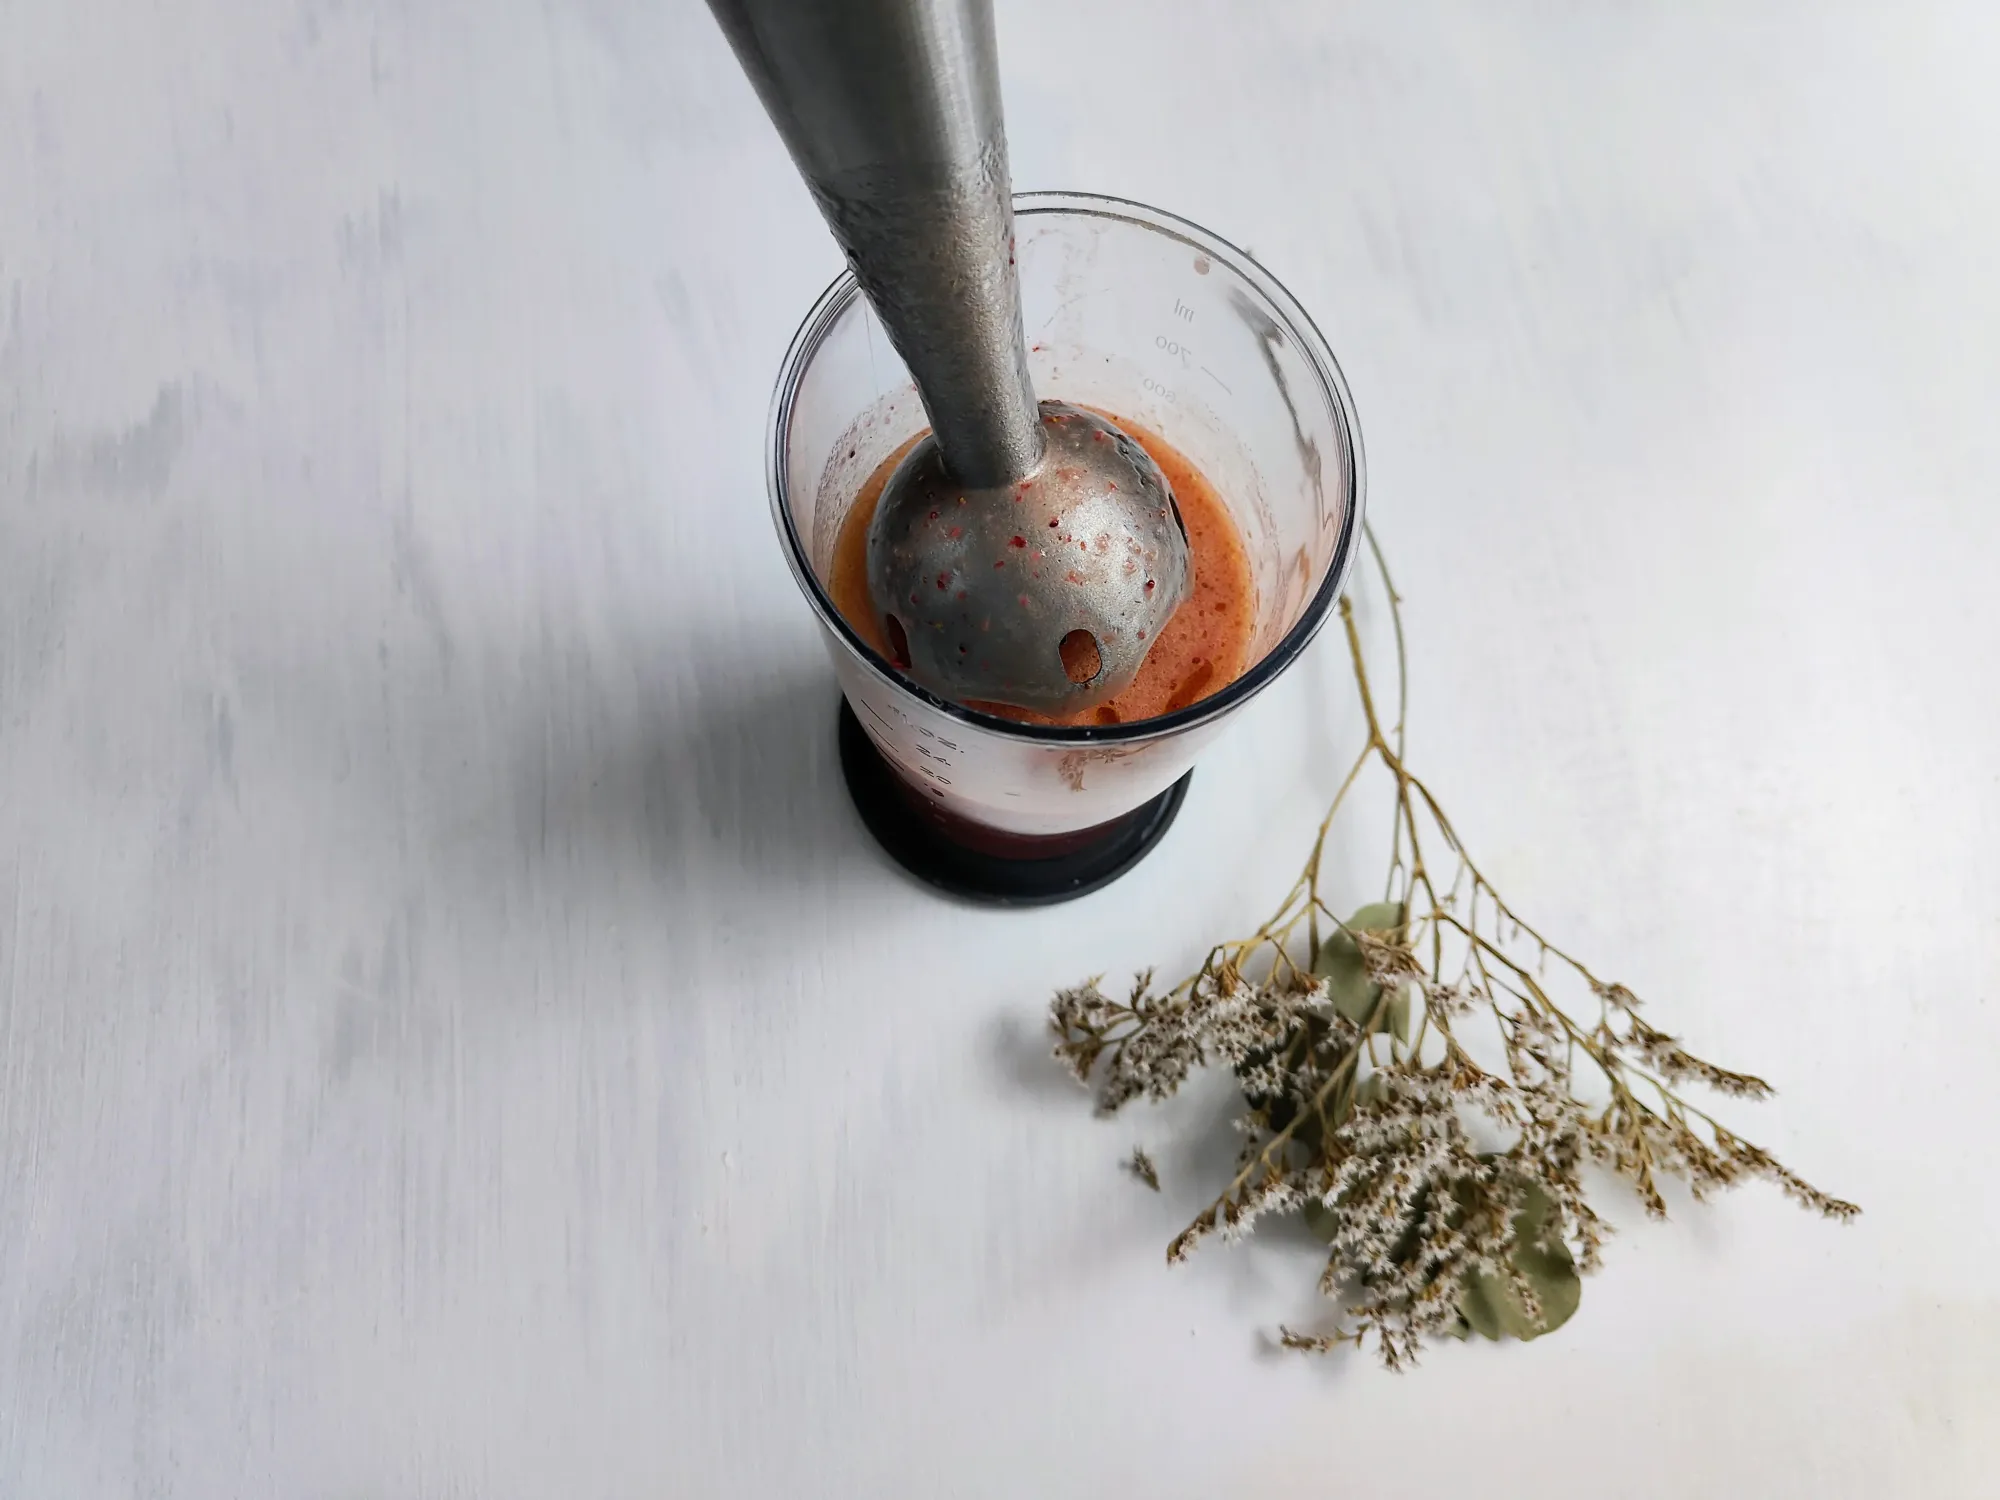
[[1204, 647]]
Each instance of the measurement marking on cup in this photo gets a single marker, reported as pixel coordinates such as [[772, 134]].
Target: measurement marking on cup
[[1182, 311], [1176, 348], [1165, 392], [897, 737], [1216, 378]]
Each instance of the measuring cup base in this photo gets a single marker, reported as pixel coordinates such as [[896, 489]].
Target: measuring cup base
[[985, 865]]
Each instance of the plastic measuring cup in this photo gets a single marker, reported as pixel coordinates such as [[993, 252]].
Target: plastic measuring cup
[[1150, 318]]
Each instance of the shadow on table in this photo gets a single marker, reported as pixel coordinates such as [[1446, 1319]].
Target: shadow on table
[[540, 800], [735, 800]]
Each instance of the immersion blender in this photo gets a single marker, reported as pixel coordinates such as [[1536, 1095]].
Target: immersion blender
[[1024, 553]]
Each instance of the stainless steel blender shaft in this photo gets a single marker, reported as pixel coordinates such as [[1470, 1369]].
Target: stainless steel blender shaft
[[891, 111]]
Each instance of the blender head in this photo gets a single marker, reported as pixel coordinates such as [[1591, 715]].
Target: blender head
[[1046, 593]]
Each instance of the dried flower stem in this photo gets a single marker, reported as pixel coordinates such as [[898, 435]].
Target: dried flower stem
[[1370, 1128]]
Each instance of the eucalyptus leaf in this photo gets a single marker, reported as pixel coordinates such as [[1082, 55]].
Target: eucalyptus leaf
[[1479, 1303], [1384, 917], [1340, 964], [1396, 1019], [1321, 1220], [1489, 1303]]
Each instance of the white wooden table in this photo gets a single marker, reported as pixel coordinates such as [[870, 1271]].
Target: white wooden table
[[455, 1038]]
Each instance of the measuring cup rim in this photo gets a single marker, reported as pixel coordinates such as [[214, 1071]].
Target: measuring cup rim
[[842, 291]]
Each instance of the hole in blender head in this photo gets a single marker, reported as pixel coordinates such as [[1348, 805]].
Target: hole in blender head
[[899, 643], [1081, 658]]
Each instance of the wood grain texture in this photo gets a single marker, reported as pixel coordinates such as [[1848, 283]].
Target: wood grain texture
[[455, 1039]]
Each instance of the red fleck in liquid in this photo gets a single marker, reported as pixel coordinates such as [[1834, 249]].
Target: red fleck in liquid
[[1204, 647]]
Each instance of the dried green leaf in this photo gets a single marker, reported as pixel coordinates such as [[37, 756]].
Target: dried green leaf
[[1484, 1304], [1321, 1220], [1340, 964], [1489, 1302], [1324, 1222], [1383, 917]]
